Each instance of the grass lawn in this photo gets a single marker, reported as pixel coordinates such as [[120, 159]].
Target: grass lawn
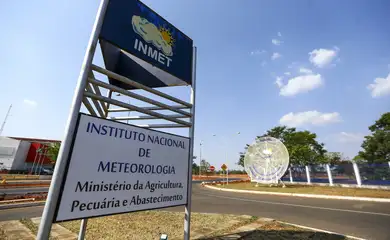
[[150, 224], [2, 235], [280, 231], [312, 189]]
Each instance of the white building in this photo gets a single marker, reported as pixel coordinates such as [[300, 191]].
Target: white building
[[20, 154], [13, 153]]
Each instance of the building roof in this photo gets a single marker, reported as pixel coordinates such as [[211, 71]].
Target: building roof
[[39, 140]]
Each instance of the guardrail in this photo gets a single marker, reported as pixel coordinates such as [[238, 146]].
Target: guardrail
[[17, 200], [21, 205], [19, 177]]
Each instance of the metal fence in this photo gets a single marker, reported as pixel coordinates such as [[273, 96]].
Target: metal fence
[[344, 173]]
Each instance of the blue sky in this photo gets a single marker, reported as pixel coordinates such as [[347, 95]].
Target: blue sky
[[318, 65]]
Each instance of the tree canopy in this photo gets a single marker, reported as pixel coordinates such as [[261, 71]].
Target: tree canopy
[[204, 165], [53, 150], [303, 147], [334, 158], [376, 146]]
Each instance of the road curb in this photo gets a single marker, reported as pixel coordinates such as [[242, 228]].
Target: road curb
[[21, 205], [367, 199]]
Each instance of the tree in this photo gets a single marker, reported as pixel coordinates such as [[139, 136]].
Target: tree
[[52, 151], [242, 157], [302, 146], [195, 168], [334, 158], [204, 165], [376, 147], [358, 159]]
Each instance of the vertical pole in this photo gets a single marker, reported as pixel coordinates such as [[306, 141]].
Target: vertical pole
[[227, 169], [187, 216], [38, 162], [83, 229], [5, 119], [329, 175], [291, 178], [39, 159], [227, 176], [200, 157], [389, 164], [357, 174], [109, 95], [54, 191], [308, 175], [35, 158], [128, 115]]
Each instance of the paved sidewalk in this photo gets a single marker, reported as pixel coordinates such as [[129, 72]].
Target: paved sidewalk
[[243, 231], [57, 231], [15, 230]]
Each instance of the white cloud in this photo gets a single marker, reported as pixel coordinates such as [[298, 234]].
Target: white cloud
[[276, 42], [279, 82], [276, 56], [30, 102], [279, 34], [305, 70], [287, 73], [292, 65], [257, 52], [309, 118], [345, 137], [301, 84], [323, 57], [380, 87]]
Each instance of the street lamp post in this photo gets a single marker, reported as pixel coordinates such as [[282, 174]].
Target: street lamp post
[[200, 157], [226, 155]]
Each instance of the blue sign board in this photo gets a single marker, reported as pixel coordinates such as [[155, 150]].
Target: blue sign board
[[132, 26]]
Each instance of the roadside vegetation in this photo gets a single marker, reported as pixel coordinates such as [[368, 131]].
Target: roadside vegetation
[[304, 148], [151, 224]]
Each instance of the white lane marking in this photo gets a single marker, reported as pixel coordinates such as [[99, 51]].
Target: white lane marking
[[298, 205]]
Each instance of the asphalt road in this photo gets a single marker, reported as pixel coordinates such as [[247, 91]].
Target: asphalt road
[[360, 219], [23, 190]]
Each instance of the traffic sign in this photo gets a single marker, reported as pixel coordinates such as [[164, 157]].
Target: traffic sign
[[224, 167], [212, 168]]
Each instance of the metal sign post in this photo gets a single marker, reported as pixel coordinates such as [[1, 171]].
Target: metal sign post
[[223, 167], [145, 66], [54, 190], [227, 176], [187, 217]]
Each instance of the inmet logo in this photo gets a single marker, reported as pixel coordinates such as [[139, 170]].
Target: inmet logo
[[161, 38]]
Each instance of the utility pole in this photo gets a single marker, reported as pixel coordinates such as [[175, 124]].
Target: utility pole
[[5, 119]]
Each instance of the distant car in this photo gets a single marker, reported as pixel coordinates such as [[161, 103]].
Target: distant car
[[46, 171], [41, 171]]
